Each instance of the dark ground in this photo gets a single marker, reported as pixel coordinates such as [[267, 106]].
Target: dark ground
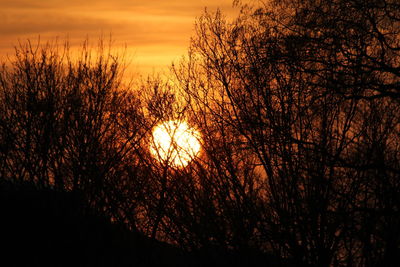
[[49, 228]]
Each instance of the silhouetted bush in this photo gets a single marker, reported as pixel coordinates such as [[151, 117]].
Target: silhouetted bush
[[70, 124]]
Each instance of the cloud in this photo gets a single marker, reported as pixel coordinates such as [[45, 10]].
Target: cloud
[[145, 26], [27, 23]]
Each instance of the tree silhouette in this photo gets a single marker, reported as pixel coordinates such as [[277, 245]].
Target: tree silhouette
[[68, 124], [304, 96], [297, 103]]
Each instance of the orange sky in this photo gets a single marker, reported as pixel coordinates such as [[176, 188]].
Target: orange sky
[[156, 32]]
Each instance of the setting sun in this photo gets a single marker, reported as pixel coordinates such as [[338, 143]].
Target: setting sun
[[175, 142]]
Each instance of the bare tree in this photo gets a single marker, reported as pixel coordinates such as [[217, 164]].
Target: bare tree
[[300, 98], [297, 105], [70, 124]]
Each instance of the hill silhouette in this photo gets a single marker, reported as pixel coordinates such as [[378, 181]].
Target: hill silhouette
[[45, 227]]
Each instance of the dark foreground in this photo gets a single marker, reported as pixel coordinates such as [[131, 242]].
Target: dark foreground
[[49, 228]]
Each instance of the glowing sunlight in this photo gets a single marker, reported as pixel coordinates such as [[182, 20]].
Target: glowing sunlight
[[175, 143]]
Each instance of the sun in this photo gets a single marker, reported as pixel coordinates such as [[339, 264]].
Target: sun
[[175, 143]]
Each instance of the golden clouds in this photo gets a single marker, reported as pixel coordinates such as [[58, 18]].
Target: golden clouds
[[155, 31]]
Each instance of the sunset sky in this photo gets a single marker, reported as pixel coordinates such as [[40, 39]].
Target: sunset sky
[[156, 32]]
